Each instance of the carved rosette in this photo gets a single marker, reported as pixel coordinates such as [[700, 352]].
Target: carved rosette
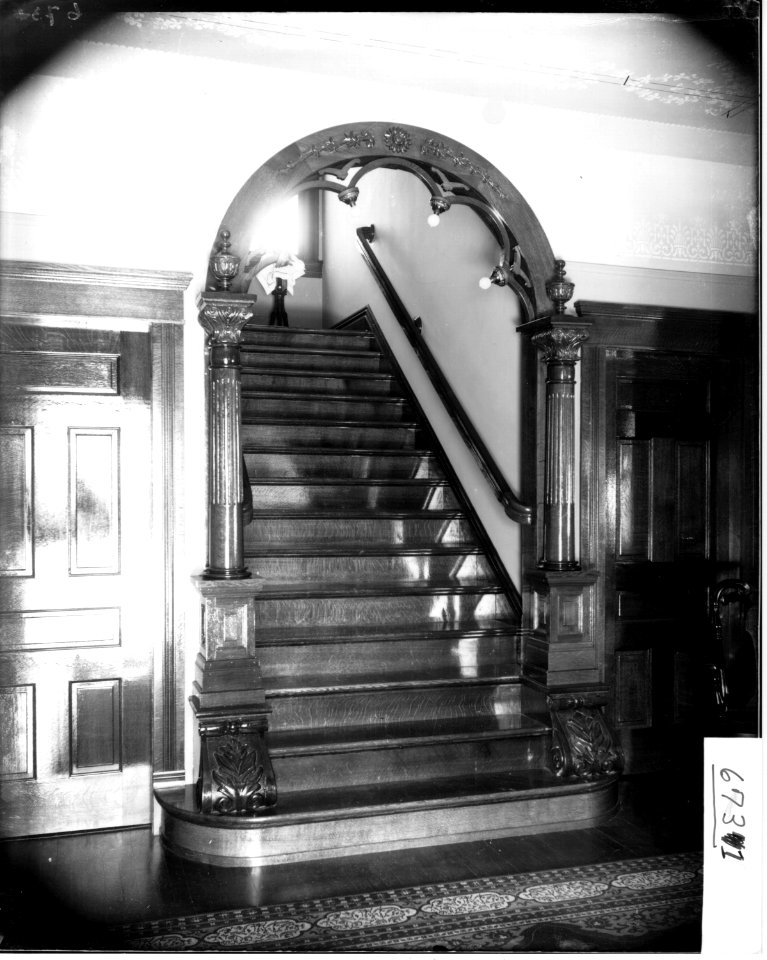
[[236, 775], [397, 139], [560, 344], [583, 745]]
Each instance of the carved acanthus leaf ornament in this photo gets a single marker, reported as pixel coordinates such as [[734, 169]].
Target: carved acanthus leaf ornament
[[223, 319], [560, 343]]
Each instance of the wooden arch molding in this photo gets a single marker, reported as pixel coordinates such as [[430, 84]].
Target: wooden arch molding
[[280, 176]]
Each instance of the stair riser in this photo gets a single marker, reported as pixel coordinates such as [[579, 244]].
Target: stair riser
[[325, 409], [380, 386], [379, 610], [366, 496], [341, 466], [368, 707], [384, 657], [257, 359], [253, 335], [350, 530], [410, 763], [462, 569], [324, 435]]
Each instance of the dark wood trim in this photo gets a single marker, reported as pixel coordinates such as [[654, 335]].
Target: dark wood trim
[[434, 442], [369, 140], [70, 293], [490, 469], [167, 440], [650, 311], [669, 329]]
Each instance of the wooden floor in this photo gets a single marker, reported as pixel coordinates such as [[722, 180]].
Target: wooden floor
[[59, 892]]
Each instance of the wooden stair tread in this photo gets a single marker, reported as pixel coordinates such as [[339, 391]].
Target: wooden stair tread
[[296, 350], [452, 675], [266, 394], [392, 735], [317, 374], [418, 453], [357, 513], [410, 633], [350, 481], [402, 795], [340, 548], [260, 328], [284, 590], [382, 798], [309, 421]]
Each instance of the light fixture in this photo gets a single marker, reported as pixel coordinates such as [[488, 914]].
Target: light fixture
[[438, 205], [349, 196], [485, 283]]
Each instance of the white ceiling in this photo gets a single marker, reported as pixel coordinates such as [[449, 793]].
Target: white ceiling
[[640, 66]]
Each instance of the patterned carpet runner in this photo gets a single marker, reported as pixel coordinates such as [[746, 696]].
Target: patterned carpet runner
[[651, 904]]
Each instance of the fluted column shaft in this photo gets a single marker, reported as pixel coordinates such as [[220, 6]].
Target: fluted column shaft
[[560, 343], [223, 315]]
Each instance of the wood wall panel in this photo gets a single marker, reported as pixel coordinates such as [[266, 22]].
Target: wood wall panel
[[94, 501], [57, 629], [692, 497], [633, 499], [662, 500], [95, 711], [86, 373], [16, 502], [633, 687], [17, 728]]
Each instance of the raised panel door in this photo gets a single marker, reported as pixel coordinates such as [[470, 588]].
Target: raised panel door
[[77, 611]]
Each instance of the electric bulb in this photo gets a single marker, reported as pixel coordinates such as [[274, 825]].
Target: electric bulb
[[433, 219], [485, 283]]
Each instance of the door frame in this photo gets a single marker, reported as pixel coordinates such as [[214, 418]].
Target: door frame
[[122, 299]]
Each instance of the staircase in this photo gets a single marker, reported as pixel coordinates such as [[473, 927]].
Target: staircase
[[387, 629]]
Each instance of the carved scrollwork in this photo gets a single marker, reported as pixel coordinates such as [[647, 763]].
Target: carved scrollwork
[[351, 140], [560, 344], [440, 150], [236, 777], [583, 745]]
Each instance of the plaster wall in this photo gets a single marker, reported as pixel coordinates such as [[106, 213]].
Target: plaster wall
[[470, 332]]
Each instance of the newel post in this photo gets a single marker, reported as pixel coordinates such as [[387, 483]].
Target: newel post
[[562, 652], [229, 701], [223, 315]]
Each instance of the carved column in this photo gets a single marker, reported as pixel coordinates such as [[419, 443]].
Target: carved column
[[562, 653], [223, 315], [559, 342], [229, 702]]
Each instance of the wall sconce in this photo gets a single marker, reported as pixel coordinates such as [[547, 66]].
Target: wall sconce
[[349, 196], [438, 205], [499, 276]]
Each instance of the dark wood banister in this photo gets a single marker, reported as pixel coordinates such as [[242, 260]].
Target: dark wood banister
[[514, 508]]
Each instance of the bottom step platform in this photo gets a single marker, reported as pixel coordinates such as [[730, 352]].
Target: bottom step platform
[[324, 824]]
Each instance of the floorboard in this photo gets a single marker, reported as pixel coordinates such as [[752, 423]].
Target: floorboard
[[79, 882]]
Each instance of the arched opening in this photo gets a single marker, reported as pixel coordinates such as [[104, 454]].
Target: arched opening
[[338, 159]]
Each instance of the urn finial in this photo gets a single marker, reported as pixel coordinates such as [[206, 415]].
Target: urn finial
[[224, 264], [559, 289]]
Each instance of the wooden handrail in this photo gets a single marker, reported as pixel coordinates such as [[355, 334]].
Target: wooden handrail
[[514, 508]]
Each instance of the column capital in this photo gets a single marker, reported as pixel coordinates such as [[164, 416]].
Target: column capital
[[223, 314], [558, 338]]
